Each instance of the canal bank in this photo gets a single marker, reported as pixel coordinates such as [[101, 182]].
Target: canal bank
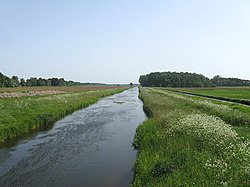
[[91, 147]]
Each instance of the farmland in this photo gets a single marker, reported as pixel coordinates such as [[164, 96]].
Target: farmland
[[58, 88], [191, 141], [27, 109], [230, 93]]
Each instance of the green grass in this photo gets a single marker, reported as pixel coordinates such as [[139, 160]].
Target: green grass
[[59, 88], [190, 141], [224, 92], [19, 116]]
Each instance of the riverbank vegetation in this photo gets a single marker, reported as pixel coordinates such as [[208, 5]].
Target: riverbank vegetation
[[23, 114], [191, 141]]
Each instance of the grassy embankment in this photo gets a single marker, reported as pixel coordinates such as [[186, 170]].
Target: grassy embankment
[[191, 141], [234, 94], [21, 115]]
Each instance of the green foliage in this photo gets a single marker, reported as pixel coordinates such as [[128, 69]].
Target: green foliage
[[15, 81], [22, 82], [185, 143], [25, 114], [5, 81], [220, 81], [174, 79]]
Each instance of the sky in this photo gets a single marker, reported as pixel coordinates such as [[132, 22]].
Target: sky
[[115, 41]]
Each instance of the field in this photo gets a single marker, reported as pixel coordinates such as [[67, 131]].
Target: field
[[59, 88], [234, 93], [191, 141], [27, 109]]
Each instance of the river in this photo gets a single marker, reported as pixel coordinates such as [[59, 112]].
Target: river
[[91, 147]]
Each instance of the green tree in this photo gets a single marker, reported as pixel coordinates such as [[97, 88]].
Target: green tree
[[41, 82], [61, 82], [22, 82], [54, 82], [174, 79], [15, 81], [31, 82]]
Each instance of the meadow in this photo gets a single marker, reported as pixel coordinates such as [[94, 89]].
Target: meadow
[[234, 94], [58, 88], [191, 141], [27, 109]]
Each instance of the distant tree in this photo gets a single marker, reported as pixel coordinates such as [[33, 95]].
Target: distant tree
[[143, 80], [22, 82], [174, 79], [8, 82], [31, 81], [220, 81], [184, 79], [41, 82], [48, 82], [5, 81], [131, 84], [215, 80], [28, 82], [15, 81], [61, 82], [54, 82], [34, 81], [2, 80]]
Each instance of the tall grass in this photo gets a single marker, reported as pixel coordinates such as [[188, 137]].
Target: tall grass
[[19, 116], [187, 144], [231, 113]]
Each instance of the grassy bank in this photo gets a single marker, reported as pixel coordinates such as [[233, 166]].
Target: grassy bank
[[229, 92], [233, 94], [189, 141], [22, 115]]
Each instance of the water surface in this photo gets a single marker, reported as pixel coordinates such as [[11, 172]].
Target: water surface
[[91, 147]]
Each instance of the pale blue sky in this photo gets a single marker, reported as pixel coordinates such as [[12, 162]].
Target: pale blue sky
[[115, 41]]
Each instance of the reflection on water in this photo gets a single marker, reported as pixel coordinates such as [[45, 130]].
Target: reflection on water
[[91, 147]]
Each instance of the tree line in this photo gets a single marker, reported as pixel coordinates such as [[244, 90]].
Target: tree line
[[185, 79], [220, 81], [14, 81]]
